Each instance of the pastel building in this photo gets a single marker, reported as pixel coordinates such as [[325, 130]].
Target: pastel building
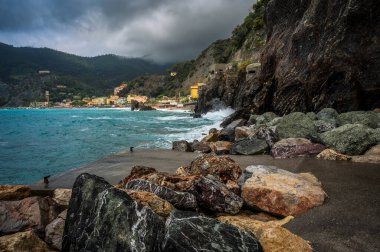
[[194, 92]]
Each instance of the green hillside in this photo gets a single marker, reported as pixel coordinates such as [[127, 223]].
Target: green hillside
[[91, 75]]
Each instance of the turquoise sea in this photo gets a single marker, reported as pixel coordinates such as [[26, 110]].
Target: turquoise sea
[[38, 142]]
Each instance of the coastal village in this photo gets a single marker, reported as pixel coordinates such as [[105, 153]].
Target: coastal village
[[116, 100]]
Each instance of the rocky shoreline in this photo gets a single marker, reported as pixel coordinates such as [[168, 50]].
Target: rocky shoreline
[[210, 203], [154, 211], [351, 136]]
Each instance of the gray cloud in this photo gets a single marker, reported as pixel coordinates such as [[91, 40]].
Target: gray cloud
[[165, 30]]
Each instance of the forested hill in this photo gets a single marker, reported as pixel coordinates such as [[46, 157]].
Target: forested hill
[[92, 74]]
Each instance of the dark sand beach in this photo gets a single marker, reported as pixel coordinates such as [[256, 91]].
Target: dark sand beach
[[348, 221]]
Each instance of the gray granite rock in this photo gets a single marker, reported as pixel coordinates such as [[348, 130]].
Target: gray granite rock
[[103, 218], [214, 196], [188, 231], [250, 147], [182, 145], [54, 231], [228, 133], [180, 200]]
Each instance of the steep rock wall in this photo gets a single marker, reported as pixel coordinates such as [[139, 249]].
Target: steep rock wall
[[319, 53]]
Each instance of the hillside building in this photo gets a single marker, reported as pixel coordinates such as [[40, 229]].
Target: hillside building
[[139, 98], [194, 90]]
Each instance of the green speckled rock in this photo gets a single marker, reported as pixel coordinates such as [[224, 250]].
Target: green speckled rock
[[189, 231], [351, 139], [103, 218], [368, 118], [297, 125]]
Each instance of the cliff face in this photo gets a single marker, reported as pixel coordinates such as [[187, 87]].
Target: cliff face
[[319, 53]]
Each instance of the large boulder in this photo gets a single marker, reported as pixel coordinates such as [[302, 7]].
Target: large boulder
[[375, 150], [281, 192], [297, 125], [214, 196], [221, 167], [136, 172], [245, 132], [221, 147], [23, 242], [212, 137], [14, 192], [32, 213], [54, 231], [181, 200], [271, 235], [187, 231], [292, 147], [182, 145], [368, 118], [201, 147], [328, 115], [103, 218], [351, 139], [250, 146], [160, 206], [62, 196], [330, 154], [228, 133]]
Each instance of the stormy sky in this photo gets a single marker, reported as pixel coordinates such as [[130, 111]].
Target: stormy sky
[[161, 30]]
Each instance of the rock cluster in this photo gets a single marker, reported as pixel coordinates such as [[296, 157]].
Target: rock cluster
[[295, 134], [32, 223], [208, 205]]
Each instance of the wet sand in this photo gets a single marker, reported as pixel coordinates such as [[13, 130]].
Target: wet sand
[[348, 221]]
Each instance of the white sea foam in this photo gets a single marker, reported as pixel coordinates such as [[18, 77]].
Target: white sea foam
[[190, 134], [99, 118], [173, 118]]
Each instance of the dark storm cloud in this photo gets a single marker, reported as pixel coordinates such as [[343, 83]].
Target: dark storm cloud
[[166, 30]]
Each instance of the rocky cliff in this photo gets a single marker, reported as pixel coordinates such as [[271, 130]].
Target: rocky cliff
[[318, 53]]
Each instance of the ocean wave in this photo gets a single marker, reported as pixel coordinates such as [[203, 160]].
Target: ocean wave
[[173, 118], [99, 118], [218, 115]]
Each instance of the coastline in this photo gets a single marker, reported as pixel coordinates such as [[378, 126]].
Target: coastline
[[115, 167]]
